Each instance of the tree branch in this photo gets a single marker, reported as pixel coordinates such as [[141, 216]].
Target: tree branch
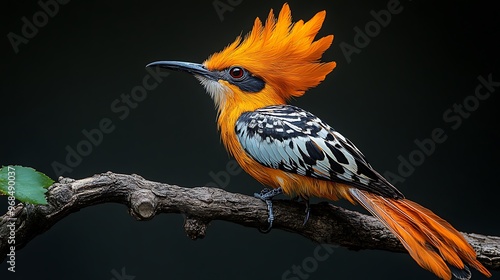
[[327, 223]]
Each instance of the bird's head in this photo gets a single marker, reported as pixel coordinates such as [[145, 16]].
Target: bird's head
[[271, 64]]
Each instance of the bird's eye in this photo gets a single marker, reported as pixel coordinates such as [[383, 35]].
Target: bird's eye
[[236, 72]]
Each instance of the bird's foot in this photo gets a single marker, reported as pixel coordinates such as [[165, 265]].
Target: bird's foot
[[308, 208], [308, 211], [267, 195]]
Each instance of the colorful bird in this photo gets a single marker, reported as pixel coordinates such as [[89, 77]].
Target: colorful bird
[[296, 153]]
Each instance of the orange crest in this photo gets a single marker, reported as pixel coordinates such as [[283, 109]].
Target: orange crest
[[282, 53]]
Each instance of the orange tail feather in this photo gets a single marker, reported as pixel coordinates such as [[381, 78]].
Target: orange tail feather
[[431, 241]]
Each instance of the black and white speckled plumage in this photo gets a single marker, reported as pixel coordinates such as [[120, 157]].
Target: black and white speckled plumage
[[288, 138]]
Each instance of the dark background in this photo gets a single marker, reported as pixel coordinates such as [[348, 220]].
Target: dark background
[[393, 92]]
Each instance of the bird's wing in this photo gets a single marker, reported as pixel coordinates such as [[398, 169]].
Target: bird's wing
[[293, 140]]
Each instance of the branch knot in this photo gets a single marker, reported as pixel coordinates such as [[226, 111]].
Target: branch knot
[[195, 227], [143, 204]]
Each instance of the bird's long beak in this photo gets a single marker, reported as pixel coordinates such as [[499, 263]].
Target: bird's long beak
[[189, 67]]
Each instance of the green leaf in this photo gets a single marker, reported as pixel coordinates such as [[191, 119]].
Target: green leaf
[[24, 183]]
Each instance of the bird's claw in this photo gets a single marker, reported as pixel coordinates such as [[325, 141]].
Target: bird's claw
[[267, 195], [270, 219], [308, 211]]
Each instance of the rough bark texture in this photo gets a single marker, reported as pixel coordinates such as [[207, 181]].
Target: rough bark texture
[[145, 199]]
